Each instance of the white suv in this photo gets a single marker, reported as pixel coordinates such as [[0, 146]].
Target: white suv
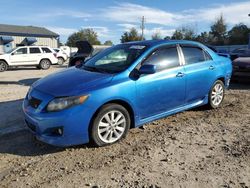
[[61, 55], [40, 56]]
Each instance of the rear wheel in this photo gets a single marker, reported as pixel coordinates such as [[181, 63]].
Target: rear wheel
[[3, 66], [60, 61], [216, 94], [110, 125], [45, 64]]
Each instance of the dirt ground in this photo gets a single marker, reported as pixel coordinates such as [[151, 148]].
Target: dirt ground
[[196, 148]]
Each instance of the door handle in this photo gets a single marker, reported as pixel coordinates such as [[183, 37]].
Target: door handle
[[211, 67], [180, 74]]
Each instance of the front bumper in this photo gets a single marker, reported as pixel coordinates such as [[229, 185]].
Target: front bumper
[[73, 122]]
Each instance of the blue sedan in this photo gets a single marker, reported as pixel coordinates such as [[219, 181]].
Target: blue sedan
[[124, 87]]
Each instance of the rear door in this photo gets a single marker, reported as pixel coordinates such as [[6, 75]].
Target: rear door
[[164, 90], [199, 71], [19, 57], [35, 55]]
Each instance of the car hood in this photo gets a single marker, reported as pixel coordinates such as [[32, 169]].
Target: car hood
[[70, 82], [4, 55]]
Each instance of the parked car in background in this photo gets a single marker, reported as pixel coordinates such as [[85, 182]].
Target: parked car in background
[[84, 52], [241, 68], [124, 87], [61, 56], [240, 53], [40, 56], [219, 53]]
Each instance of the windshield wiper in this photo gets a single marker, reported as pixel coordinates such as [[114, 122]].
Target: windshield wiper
[[95, 69]]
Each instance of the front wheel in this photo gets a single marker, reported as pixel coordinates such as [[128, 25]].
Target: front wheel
[[45, 64], [3, 66], [216, 95], [60, 61], [110, 125]]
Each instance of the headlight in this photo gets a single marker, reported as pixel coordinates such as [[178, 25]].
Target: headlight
[[65, 102]]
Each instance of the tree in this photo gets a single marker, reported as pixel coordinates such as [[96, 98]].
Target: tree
[[108, 43], [239, 34], [219, 31], [156, 36], [177, 35], [185, 33], [84, 34], [204, 37], [132, 35]]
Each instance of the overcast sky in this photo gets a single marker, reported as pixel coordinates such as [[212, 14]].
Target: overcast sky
[[111, 18]]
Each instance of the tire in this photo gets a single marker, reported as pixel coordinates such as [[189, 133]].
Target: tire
[[60, 61], [110, 125], [3, 66], [216, 94], [44, 64]]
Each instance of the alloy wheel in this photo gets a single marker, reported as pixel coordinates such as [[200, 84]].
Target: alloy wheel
[[111, 126], [217, 94]]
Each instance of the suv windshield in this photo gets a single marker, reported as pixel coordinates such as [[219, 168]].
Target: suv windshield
[[10, 51], [114, 59]]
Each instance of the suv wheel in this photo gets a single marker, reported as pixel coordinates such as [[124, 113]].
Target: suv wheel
[[110, 125], [44, 64], [3, 66], [216, 94], [60, 61]]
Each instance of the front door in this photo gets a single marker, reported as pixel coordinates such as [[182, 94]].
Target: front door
[[164, 90], [19, 57]]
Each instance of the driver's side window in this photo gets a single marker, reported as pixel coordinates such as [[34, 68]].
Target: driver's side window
[[20, 51]]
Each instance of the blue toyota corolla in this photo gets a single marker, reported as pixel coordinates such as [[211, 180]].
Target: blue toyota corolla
[[124, 87]]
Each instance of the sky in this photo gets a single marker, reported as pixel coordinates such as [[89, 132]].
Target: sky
[[110, 18]]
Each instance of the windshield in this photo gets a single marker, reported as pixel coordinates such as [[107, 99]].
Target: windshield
[[10, 51], [114, 59]]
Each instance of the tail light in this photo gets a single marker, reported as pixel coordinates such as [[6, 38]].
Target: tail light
[[55, 54]]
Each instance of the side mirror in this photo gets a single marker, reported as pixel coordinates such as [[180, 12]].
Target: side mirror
[[12, 53], [147, 69]]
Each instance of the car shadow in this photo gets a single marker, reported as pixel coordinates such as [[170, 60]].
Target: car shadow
[[24, 82]]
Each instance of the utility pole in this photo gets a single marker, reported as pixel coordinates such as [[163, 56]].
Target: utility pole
[[142, 27]]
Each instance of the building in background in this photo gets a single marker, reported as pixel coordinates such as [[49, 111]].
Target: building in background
[[12, 36]]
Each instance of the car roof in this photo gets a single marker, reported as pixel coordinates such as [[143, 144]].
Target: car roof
[[152, 43], [33, 46]]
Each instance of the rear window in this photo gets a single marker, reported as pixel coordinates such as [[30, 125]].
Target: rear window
[[46, 50], [35, 50]]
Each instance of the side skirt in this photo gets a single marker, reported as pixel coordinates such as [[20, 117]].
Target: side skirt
[[171, 112]]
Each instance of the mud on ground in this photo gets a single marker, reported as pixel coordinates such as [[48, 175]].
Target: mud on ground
[[196, 148]]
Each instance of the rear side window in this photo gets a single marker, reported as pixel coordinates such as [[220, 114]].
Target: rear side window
[[46, 50], [164, 58], [35, 51], [194, 54]]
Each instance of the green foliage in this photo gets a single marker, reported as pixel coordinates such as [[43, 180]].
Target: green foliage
[[108, 43], [219, 31], [132, 35], [156, 36], [84, 34], [239, 34], [204, 37], [185, 33]]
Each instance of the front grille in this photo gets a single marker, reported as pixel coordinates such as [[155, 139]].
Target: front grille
[[33, 102]]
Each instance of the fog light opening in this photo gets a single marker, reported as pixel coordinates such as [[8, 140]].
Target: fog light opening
[[58, 132]]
